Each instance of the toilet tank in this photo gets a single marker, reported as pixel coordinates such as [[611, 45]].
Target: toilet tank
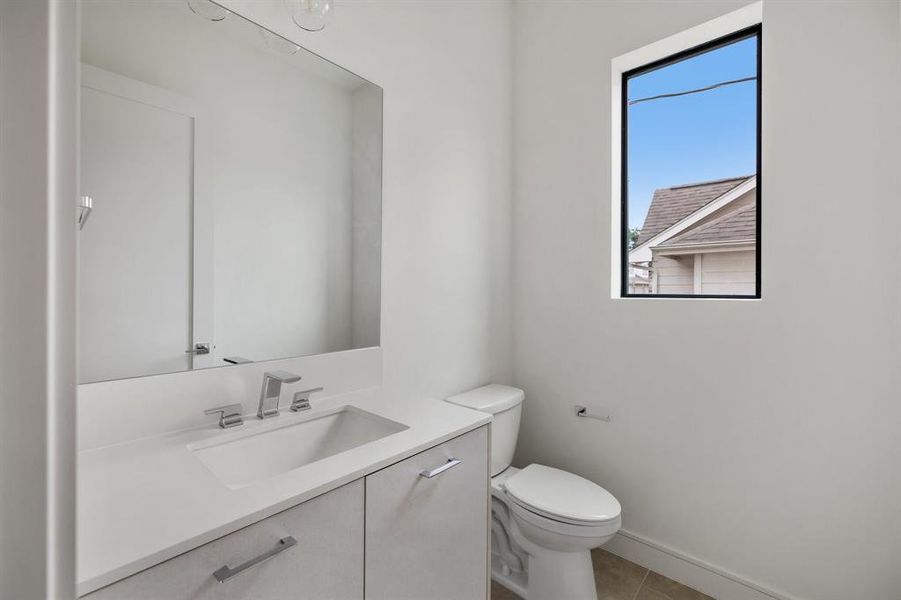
[[504, 403]]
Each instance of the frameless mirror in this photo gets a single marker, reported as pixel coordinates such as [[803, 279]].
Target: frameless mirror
[[231, 183]]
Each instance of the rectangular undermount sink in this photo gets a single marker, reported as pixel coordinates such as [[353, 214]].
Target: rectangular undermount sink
[[246, 459]]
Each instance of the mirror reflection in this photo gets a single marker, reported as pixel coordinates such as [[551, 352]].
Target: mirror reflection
[[231, 185]]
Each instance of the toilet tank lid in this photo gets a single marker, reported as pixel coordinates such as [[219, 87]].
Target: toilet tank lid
[[492, 398]]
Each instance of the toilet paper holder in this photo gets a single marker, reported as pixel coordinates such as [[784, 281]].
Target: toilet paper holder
[[583, 411]]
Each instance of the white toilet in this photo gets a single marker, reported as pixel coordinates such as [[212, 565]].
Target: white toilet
[[544, 521]]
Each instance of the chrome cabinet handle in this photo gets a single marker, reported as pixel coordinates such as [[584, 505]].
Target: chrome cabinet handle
[[199, 349], [451, 463], [225, 573]]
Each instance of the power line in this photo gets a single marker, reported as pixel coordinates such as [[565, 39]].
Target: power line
[[697, 91]]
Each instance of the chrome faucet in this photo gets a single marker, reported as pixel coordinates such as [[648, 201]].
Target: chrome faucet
[[272, 388]]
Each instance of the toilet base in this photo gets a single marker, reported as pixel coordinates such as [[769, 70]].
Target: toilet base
[[538, 558], [559, 575], [555, 576], [518, 583]]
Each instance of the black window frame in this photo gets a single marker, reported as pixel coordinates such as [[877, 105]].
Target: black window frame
[[754, 31]]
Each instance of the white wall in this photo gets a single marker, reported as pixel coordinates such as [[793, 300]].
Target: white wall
[[38, 121], [766, 443]]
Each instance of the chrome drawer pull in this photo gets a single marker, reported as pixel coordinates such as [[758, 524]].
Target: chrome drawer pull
[[225, 573], [451, 462]]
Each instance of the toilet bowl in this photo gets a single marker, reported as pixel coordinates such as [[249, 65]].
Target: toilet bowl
[[545, 521]]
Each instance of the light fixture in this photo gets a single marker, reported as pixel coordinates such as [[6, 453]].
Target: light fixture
[[311, 15], [207, 9]]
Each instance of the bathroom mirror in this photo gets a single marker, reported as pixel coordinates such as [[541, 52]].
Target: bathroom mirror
[[231, 183]]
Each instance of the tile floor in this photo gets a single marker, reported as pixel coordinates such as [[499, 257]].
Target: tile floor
[[619, 579]]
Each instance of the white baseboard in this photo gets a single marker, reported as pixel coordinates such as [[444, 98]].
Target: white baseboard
[[688, 570]]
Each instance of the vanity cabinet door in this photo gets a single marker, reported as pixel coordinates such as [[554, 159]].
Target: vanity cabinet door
[[325, 564], [427, 537]]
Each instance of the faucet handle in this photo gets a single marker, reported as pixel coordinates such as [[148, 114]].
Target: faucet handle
[[230, 415], [301, 399]]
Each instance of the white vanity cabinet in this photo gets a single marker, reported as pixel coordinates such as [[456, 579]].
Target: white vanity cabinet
[[425, 521], [326, 563], [427, 537]]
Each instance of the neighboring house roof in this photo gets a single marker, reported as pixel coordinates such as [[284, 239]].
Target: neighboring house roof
[[735, 226], [671, 205]]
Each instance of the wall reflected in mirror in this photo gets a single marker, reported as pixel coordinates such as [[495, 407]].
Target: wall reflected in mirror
[[235, 186]]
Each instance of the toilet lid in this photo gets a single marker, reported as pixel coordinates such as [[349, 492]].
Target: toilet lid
[[562, 496]]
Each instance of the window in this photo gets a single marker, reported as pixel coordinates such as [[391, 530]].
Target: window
[[690, 180]]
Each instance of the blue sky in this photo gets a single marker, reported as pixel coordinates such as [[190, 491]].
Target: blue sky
[[691, 138]]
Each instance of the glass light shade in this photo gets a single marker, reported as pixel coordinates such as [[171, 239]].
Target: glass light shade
[[311, 15]]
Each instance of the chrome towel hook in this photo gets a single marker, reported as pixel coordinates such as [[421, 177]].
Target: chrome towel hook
[[85, 206]]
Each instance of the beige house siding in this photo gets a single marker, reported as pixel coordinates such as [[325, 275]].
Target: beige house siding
[[675, 274], [728, 273]]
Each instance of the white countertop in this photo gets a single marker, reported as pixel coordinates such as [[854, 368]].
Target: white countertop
[[146, 501]]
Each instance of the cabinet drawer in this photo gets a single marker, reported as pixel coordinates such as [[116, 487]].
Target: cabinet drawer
[[427, 537], [326, 562]]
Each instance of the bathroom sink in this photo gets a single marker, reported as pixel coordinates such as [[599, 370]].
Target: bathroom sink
[[246, 459]]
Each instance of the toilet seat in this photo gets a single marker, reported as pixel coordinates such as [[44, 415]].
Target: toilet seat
[[567, 530], [562, 497]]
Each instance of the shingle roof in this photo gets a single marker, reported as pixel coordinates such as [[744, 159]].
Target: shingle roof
[[737, 225], [671, 205]]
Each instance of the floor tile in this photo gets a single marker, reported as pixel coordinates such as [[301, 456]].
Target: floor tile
[[646, 593], [615, 577], [619, 579], [672, 589], [499, 592]]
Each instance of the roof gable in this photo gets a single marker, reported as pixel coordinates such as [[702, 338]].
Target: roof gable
[[736, 225], [671, 205]]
